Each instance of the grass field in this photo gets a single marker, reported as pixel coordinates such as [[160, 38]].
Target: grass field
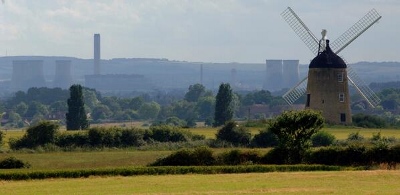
[[112, 158], [85, 160], [339, 133], [209, 132], [344, 182]]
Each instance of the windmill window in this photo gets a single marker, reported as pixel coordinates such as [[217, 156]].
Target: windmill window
[[340, 77], [341, 97], [308, 100]]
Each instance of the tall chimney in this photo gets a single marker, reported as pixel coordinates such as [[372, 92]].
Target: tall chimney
[[96, 54]]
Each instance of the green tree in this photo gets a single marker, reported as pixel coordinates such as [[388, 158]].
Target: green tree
[[294, 130], [36, 108], [21, 108], [136, 103], [59, 106], [101, 112], [43, 133], [184, 110], [149, 110], [195, 92], [76, 118], [233, 133], [223, 105], [14, 119], [205, 107]]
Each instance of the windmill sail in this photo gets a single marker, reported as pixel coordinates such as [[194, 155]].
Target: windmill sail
[[337, 46], [296, 92], [355, 31], [369, 95], [301, 29]]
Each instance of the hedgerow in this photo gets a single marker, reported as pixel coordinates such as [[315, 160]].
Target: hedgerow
[[99, 137], [171, 170]]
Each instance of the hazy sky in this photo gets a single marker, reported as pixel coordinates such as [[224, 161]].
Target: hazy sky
[[192, 30]]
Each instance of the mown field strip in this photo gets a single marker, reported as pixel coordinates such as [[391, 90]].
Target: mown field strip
[[342, 182]]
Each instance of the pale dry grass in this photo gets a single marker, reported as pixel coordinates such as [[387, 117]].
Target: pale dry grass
[[345, 182]]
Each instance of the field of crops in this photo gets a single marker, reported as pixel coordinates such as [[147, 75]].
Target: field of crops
[[371, 182], [343, 182]]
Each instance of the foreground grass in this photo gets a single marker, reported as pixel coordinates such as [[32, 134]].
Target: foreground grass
[[343, 182]]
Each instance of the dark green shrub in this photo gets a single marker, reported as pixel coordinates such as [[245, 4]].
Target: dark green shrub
[[43, 133], [13, 163], [237, 157], [265, 139], [355, 137], [275, 156], [1, 137], [132, 137], [394, 154], [73, 140], [378, 154], [235, 134], [185, 157], [368, 121], [353, 155], [100, 136], [165, 133], [322, 138], [326, 156]]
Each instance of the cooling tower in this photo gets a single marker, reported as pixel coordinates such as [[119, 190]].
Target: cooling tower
[[27, 74], [63, 78], [290, 73], [274, 75], [96, 54]]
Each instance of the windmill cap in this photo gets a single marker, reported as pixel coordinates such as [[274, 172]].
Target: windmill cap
[[327, 59]]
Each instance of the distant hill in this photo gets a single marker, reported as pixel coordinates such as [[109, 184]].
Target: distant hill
[[167, 74]]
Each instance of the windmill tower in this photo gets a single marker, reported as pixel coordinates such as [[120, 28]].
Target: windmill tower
[[327, 83]]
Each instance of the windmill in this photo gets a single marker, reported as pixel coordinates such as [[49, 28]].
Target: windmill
[[327, 82]]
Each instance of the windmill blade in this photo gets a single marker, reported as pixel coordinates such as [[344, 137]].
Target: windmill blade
[[296, 92], [301, 29], [369, 95], [355, 31]]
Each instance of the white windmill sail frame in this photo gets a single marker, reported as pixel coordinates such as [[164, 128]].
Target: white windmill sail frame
[[296, 92], [301, 29], [355, 31], [339, 44]]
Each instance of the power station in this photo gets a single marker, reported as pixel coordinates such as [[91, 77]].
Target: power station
[[281, 74], [27, 74], [63, 77]]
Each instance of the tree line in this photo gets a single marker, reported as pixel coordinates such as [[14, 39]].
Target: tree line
[[196, 104], [179, 109]]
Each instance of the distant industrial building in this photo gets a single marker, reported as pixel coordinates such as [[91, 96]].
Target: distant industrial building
[[281, 74], [27, 74], [274, 75], [118, 83], [96, 57], [63, 77], [290, 70]]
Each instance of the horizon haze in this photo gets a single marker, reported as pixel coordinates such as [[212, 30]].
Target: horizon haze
[[244, 31]]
